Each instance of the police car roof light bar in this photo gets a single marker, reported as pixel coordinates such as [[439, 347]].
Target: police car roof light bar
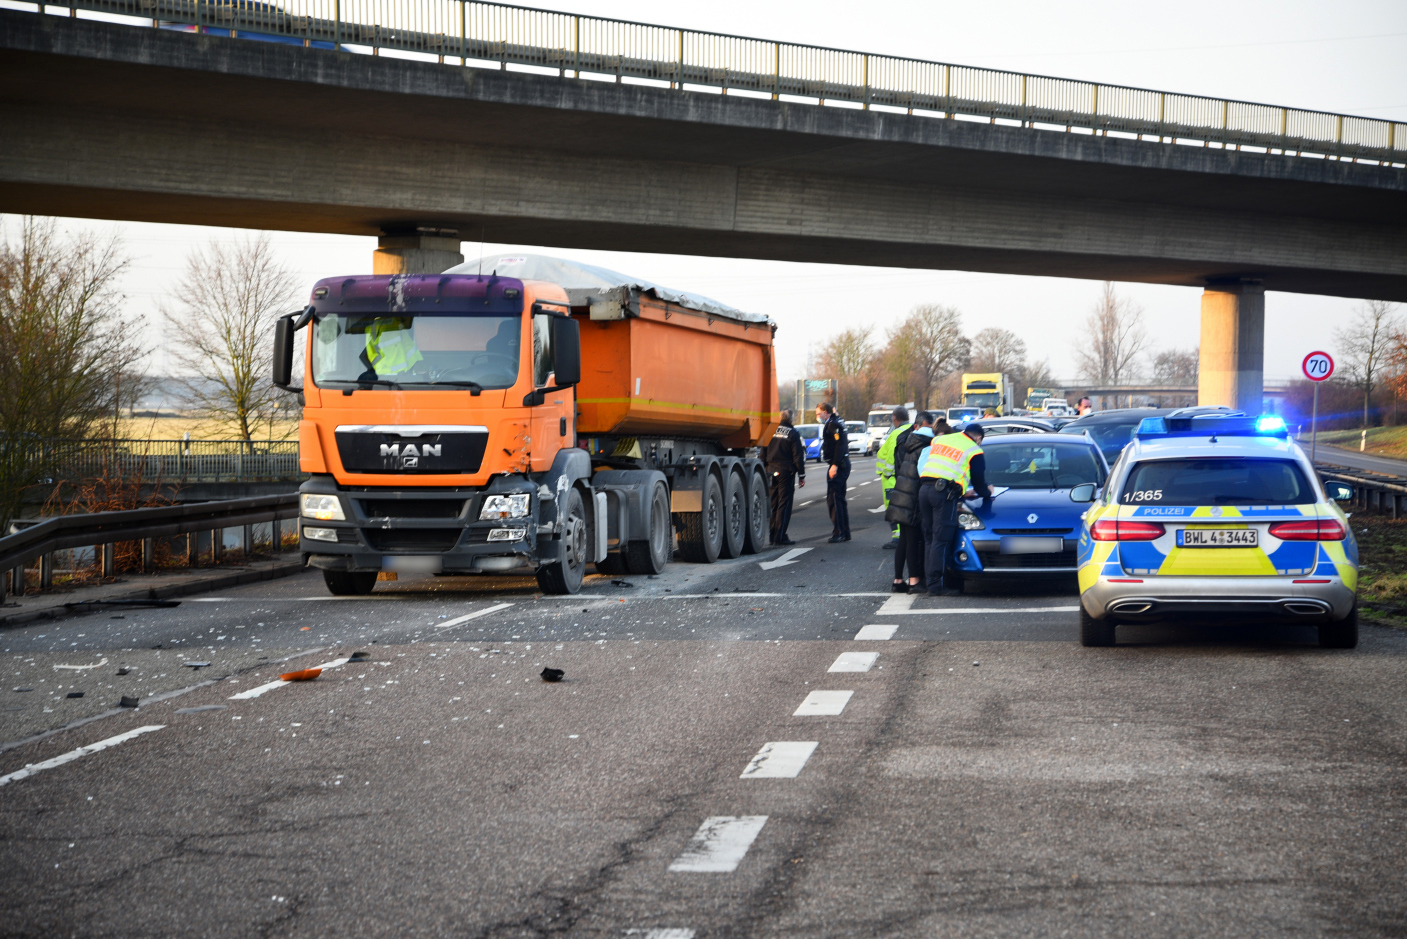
[[1226, 424]]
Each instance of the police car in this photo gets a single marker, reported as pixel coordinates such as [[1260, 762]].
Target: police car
[[1212, 518]]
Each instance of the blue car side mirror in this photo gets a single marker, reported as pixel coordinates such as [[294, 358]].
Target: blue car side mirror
[[1083, 493]]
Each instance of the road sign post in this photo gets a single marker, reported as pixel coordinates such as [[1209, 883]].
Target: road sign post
[[1317, 367]]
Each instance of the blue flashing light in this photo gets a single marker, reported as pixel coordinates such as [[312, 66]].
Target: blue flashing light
[[1270, 424], [1208, 425]]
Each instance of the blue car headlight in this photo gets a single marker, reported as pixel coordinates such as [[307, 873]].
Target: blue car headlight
[[969, 522]]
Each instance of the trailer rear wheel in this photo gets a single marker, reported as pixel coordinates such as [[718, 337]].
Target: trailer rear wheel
[[564, 576], [349, 583], [701, 533], [735, 499], [759, 516], [650, 555]]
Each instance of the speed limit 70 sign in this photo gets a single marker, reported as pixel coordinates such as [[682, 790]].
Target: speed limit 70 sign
[[1318, 366]]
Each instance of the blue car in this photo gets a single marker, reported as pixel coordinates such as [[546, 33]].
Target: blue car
[[1043, 484], [810, 439]]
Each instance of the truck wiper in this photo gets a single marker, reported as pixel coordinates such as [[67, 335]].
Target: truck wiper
[[364, 383], [474, 387]]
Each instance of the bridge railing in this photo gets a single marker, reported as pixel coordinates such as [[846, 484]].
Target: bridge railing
[[174, 460], [470, 31]]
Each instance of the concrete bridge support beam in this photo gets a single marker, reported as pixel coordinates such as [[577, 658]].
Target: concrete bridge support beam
[[1231, 370], [416, 253]]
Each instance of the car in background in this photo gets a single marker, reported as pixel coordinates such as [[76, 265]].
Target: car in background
[[992, 426], [1112, 430], [860, 441], [1032, 526], [960, 415], [1217, 518], [810, 439]]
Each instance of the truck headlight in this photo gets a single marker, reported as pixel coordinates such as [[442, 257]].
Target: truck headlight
[[513, 506], [323, 508], [320, 534], [969, 522]]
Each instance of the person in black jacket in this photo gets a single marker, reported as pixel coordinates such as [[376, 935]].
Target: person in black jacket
[[903, 502], [786, 462], [835, 450]]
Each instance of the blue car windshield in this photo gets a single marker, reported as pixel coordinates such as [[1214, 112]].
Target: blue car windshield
[[1042, 463], [1111, 436]]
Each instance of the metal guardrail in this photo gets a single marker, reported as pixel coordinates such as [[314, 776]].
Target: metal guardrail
[[174, 460], [1371, 491], [476, 32], [31, 539]]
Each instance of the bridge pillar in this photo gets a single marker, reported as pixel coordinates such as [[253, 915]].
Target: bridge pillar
[[1231, 367], [416, 252]]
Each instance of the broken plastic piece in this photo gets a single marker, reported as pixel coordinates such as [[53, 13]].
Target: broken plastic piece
[[124, 670], [307, 674], [75, 694], [204, 707], [128, 702], [196, 664], [358, 656], [552, 674], [622, 583], [24, 689]]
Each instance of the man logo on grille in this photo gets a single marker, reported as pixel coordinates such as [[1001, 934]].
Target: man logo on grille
[[410, 454]]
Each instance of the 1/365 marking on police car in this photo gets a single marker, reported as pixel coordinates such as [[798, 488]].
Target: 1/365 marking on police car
[[1218, 538]]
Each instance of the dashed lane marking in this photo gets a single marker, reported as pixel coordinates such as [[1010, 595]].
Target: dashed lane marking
[[264, 689], [823, 704], [854, 662], [720, 844], [475, 615], [662, 933], [781, 759], [876, 631], [72, 755], [897, 603]]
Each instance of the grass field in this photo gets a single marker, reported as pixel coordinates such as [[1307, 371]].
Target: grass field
[[175, 428], [1384, 441], [1382, 568]]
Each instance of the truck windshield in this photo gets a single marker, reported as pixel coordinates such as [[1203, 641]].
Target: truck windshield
[[982, 400], [416, 350]]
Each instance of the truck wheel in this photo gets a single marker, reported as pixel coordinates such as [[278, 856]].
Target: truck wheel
[[1341, 635], [652, 554], [613, 563], [734, 515], [701, 533], [349, 583], [759, 515], [564, 576], [1095, 632]]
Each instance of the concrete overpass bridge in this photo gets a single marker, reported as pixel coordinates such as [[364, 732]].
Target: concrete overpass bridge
[[550, 129]]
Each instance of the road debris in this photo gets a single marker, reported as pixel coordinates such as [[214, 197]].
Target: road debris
[[202, 708], [622, 583], [306, 674], [75, 694], [359, 657], [196, 664], [80, 668], [129, 702], [552, 674], [124, 670]]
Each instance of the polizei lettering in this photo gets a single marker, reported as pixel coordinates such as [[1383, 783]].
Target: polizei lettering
[[409, 454]]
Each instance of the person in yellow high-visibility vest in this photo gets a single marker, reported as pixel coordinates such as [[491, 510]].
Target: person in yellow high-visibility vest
[[390, 346], [885, 463], [952, 464]]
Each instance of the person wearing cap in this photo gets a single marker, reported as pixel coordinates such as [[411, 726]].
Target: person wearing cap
[[835, 450], [786, 462], [885, 462], [950, 465]]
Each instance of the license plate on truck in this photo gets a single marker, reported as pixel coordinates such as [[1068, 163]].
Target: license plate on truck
[[1217, 538], [412, 563]]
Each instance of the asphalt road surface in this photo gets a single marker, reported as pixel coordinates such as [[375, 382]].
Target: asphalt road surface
[[728, 755], [1355, 460]]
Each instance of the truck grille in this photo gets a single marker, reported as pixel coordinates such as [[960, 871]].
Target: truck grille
[[412, 539], [412, 508], [380, 449]]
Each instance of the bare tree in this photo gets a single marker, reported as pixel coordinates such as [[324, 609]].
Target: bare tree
[[1365, 345], [925, 347], [222, 320], [65, 347], [998, 350], [1177, 367], [849, 357], [1112, 340]]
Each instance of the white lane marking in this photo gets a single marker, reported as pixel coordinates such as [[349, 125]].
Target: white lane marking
[[468, 616], [868, 482], [808, 502], [854, 662], [851, 488], [72, 755], [990, 610], [876, 631], [720, 844], [788, 558], [875, 511], [81, 668], [662, 933], [781, 759], [823, 704], [898, 602], [280, 683]]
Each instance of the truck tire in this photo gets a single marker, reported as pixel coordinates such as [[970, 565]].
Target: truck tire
[[613, 563], [759, 514], [564, 576], [701, 533], [1342, 634], [735, 499], [651, 554], [349, 583], [1095, 632]]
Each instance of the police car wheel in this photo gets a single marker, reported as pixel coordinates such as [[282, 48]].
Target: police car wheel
[[1342, 634], [1095, 632]]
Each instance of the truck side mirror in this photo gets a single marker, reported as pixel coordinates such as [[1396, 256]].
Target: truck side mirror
[[283, 352], [566, 350]]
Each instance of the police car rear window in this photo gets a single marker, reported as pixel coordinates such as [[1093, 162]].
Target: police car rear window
[[1217, 481]]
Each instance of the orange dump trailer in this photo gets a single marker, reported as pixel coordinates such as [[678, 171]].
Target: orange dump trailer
[[527, 414]]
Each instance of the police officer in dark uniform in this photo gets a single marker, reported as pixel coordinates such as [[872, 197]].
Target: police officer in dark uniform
[[835, 450], [786, 462]]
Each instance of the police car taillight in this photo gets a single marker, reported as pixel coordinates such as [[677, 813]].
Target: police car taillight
[[1111, 529], [1310, 529]]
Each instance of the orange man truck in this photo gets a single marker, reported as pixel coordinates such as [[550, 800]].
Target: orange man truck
[[466, 423]]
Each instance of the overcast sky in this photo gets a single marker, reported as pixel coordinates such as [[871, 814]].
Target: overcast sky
[[1346, 56]]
